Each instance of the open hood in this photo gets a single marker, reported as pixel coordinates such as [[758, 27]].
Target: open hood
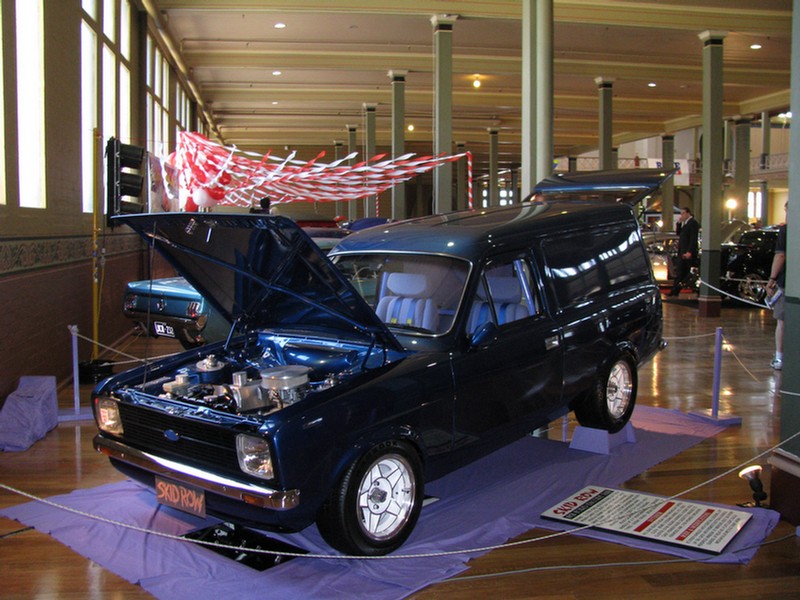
[[629, 186], [261, 272]]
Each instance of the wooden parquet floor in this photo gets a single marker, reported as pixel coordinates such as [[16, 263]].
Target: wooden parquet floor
[[36, 566]]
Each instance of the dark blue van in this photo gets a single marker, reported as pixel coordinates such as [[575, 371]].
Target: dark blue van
[[350, 380]]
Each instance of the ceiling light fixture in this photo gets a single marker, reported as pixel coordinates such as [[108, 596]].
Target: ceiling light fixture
[[651, 84], [276, 73], [280, 26], [476, 82], [410, 127], [755, 46]]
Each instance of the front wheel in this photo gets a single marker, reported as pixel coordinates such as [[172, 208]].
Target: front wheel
[[376, 504], [610, 404]]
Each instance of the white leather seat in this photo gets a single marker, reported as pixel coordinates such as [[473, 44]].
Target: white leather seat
[[406, 301]]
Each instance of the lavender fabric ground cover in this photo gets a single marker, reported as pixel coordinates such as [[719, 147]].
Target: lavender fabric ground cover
[[484, 504]]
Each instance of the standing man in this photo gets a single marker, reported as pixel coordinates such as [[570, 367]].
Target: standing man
[[775, 287], [688, 230]]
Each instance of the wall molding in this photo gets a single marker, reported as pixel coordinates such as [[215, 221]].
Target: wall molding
[[19, 255]]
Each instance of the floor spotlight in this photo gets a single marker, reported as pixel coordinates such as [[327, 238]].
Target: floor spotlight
[[752, 475]]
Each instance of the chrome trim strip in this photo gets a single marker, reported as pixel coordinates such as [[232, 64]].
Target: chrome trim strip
[[262, 497]]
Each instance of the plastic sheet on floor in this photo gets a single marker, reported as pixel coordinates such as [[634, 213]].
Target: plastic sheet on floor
[[487, 503]]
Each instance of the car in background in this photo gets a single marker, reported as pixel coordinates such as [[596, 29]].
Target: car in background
[[748, 263], [353, 379], [662, 248], [172, 308]]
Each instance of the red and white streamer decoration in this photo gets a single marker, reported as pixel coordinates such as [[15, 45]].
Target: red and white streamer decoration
[[209, 174], [469, 180]]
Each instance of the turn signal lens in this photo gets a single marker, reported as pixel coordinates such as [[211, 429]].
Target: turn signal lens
[[107, 416], [254, 456]]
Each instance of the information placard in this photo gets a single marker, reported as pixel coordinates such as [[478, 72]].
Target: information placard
[[659, 519]]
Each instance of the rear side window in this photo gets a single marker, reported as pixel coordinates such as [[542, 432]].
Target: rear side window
[[587, 264]]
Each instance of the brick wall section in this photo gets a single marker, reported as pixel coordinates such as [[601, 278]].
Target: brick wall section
[[37, 306]]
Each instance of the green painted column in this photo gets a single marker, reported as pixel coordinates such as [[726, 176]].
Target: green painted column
[[369, 152], [790, 388], [398, 137], [443, 110], [605, 126], [668, 189], [537, 93], [352, 147], [712, 153], [494, 190], [742, 163]]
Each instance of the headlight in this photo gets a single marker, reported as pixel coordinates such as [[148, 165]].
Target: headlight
[[107, 416], [254, 456]]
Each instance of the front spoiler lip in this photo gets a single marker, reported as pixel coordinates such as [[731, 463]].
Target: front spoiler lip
[[253, 495]]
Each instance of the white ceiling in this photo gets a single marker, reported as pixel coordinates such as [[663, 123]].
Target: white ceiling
[[335, 55]]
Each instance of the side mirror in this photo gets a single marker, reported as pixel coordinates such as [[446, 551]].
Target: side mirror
[[484, 336]]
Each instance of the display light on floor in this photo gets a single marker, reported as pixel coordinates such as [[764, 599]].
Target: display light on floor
[[752, 475]]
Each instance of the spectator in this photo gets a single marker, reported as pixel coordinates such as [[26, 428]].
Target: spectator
[[775, 287], [688, 230]]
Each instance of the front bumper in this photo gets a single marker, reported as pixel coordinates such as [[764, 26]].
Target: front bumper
[[254, 495]]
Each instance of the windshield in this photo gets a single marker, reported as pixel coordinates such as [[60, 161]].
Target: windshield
[[409, 292]]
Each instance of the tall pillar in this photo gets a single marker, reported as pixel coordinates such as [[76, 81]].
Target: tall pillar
[[761, 211], [766, 139], [668, 189], [513, 193], [494, 190], [605, 124], [461, 178], [443, 110], [369, 151], [742, 162], [785, 481], [398, 138], [338, 146], [537, 93], [352, 148], [712, 151]]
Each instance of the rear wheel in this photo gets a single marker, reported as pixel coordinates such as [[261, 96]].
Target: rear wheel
[[611, 403], [376, 504]]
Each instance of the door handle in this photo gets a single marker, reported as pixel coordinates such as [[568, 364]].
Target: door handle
[[551, 342]]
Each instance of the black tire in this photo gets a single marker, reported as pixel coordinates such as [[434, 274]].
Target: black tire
[[610, 405], [376, 504]]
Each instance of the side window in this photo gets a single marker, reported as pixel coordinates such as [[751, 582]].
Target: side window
[[506, 293], [592, 263]]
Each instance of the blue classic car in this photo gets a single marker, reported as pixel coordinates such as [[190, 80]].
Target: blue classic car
[[170, 307], [413, 349]]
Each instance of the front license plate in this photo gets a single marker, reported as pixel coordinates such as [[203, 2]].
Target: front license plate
[[181, 496], [163, 329]]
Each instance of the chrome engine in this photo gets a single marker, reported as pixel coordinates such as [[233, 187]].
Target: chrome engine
[[243, 387]]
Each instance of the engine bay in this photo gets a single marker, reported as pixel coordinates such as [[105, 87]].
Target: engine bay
[[260, 378]]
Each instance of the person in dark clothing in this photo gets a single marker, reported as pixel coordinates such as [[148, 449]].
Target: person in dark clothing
[[688, 249], [775, 287]]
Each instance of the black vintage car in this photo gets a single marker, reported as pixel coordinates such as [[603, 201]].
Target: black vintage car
[[749, 262]]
